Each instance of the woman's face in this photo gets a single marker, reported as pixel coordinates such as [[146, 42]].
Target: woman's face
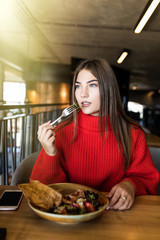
[[87, 93]]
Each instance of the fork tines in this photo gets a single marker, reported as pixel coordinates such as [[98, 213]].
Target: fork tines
[[65, 113], [72, 108]]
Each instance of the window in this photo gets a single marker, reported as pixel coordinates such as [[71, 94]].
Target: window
[[14, 92], [14, 87]]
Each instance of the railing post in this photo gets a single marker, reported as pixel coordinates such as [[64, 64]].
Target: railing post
[[15, 143], [27, 127], [33, 126], [3, 153], [22, 138], [6, 153], [11, 143], [28, 138]]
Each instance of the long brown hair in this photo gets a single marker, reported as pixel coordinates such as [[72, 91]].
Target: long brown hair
[[110, 105]]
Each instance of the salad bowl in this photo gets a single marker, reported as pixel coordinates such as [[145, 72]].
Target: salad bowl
[[66, 189]]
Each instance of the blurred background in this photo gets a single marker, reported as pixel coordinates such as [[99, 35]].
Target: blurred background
[[42, 41]]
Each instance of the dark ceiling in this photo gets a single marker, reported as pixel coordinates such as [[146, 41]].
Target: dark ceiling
[[56, 30]]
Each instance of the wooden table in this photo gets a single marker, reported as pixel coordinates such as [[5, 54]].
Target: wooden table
[[141, 222]]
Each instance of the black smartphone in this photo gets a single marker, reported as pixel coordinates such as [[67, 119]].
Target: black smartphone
[[10, 199]]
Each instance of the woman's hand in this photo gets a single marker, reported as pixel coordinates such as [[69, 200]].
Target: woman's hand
[[121, 196], [46, 136]]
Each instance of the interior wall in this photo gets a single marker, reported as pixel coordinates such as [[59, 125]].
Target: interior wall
[[46, 92], [48, 83]]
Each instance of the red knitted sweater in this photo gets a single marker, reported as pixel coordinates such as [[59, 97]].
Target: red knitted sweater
[[90, 162]]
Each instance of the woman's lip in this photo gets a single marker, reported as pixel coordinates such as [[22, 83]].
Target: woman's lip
[[86, 104]]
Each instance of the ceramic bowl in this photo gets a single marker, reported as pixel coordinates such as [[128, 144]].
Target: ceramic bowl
[[68, 188]]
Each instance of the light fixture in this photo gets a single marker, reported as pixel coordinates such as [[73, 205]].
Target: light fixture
[[146, 16], [122, 56], [134, 87]]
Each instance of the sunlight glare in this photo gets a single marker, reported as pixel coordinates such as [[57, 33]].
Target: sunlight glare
[[14, 92]]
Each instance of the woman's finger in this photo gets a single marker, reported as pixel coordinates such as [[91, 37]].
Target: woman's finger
[[45, 131], [122, 204], [127, 205], [122, 196], [114, 200], [41, 127]]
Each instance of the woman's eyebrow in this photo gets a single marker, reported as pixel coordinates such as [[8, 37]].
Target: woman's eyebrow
[[94, 80]]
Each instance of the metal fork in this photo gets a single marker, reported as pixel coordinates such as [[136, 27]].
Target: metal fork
[[66, 112]]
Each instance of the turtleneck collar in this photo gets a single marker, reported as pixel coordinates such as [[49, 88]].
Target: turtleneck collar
[[89, 122]]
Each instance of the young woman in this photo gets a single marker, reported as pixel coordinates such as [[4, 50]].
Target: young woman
[[100, 146]]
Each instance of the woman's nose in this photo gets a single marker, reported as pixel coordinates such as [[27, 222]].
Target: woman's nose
[[84, 92]]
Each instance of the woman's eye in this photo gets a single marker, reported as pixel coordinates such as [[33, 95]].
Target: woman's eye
[[77, 86], [93, 85]]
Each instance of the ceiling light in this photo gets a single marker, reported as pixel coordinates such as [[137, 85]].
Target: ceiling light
[[134, 87], [146, 16], [122, 56]]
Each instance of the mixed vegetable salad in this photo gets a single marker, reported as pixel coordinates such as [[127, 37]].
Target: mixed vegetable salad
[[79, 202]]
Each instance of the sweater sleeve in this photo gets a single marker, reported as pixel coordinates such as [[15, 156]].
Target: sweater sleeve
[[142, 172], [49, 169]]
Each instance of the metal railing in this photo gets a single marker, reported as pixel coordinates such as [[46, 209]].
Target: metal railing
[[18, 133]]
